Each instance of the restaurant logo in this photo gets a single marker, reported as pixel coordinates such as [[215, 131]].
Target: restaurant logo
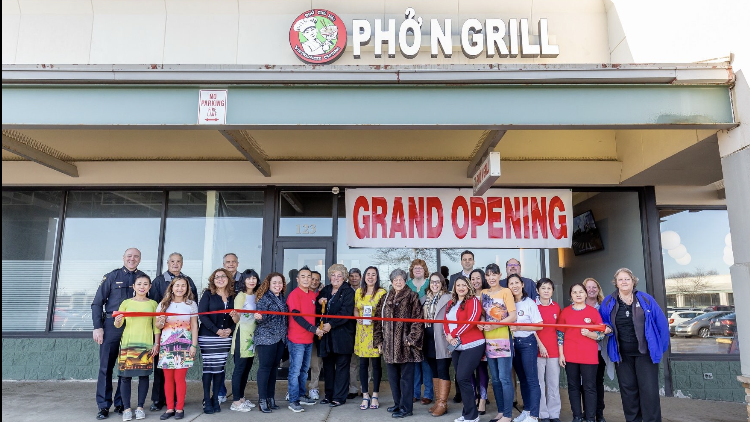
[[318, 36]]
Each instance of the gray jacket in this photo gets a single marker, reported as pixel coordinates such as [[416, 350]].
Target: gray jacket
[[271, 328], [441, 345]]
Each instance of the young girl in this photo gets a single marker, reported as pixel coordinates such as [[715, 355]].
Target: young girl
[[139, 344], [578, 353], [243, 348], [179, 342]]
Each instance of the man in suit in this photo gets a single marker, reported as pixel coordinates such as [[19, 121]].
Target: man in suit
[[467, 264], [513, 266]]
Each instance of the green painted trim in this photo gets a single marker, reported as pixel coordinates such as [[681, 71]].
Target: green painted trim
[[336, 106]]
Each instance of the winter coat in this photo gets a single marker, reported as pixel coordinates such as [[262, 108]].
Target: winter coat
[[441, 344], [340, 339], [401, 341]]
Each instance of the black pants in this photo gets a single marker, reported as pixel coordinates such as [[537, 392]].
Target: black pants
[[401, 380], [639, 388], [440, 368], [582, 378], [125, 386], [241, 372], [269, 358], [157, 389], [377, 373], [600, 370], [336, 369], [466, 362], [108, 353]]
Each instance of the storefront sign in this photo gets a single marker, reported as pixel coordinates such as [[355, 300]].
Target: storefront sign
[[318, 36], [453, 218], [212, 107], [487, 173]]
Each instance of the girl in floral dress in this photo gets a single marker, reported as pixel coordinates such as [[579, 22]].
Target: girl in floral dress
[[179, 342]]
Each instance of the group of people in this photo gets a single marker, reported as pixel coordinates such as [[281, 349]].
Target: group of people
[[467, 327]]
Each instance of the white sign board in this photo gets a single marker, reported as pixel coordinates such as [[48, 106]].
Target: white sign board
[[487, 173], [454, 218], [212, 107]]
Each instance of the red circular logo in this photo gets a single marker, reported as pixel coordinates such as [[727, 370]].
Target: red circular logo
[[318, 36]]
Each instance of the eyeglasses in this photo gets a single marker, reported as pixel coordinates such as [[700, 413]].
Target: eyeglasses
[[514, 265], [220, 276]]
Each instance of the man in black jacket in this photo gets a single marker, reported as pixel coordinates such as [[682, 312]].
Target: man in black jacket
[[157, 292]]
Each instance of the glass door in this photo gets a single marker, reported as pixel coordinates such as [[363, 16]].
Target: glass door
[[292, 255]]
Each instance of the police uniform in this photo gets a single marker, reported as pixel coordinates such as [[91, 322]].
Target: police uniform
[[115, 287], [157, 292]]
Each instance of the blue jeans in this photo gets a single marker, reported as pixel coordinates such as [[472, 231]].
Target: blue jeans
[[223, 388], [423, 375], [299, 364], [502, 384], [524, 362]]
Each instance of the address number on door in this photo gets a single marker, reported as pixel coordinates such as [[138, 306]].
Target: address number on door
[[306, 229]]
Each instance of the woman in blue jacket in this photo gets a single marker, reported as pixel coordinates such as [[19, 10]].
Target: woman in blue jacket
[[641, 336]]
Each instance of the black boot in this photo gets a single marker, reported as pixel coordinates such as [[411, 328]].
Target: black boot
[[263, 405], [272, 404]]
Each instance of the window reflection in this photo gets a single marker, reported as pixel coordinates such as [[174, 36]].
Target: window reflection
[[30, 223], [305, 214], [205, 225], [697, 254], [99, 227], [386, 259]]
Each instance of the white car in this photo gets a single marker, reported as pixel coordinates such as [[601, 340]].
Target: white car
[[681, 316]]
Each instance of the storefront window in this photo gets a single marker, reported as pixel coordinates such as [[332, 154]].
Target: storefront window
[[386, 259], [697, 254], [529, 258], [30, 226], [205, 225], [306, 214], [99, 227]]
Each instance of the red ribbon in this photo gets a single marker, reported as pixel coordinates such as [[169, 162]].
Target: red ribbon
[[591, 327]]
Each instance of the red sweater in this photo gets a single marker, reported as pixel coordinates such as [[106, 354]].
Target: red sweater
[[471, 312], [577, 348]]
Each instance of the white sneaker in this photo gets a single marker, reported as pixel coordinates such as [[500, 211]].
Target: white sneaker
[[314, 394], [127, 415], [248, 404], [459, 419], [222, 399], [475, 420], [525, 414], [140, 414], [239, 407]]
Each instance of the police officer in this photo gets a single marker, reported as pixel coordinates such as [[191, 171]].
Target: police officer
[[157, 292], [115, 287]]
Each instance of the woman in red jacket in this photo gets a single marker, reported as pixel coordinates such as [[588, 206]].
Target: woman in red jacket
[[466, 339]]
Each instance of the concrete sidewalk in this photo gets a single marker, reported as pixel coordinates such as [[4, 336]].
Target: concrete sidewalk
[[74, 401]]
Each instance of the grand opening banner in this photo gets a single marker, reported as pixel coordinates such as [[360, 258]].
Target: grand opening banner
[[453, 218]]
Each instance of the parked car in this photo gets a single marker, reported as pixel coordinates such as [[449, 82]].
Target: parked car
[[698, 326], [719, 308], [679, 317], [724, 326]]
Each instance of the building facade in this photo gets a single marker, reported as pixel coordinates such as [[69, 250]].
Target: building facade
[[207, 127]]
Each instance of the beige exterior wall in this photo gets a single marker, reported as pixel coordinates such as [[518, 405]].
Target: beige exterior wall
[[257, 31]]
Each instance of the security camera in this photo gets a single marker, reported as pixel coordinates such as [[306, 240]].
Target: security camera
[[335, 190]]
